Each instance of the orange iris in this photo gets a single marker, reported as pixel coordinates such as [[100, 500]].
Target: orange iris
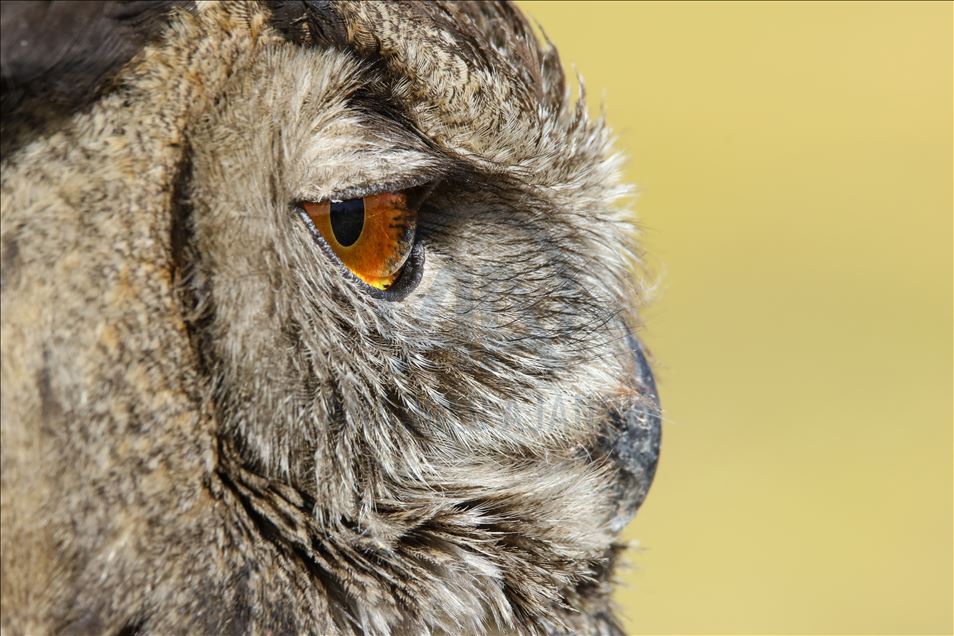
[[372, 236]]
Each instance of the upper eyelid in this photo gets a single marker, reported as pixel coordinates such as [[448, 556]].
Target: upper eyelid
[[425, 166], [367, 171], [358, 192], [422, 184]]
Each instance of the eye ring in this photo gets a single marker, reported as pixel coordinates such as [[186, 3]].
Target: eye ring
[[407, 280]]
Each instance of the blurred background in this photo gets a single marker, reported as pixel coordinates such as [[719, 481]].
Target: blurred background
[[795, 171]]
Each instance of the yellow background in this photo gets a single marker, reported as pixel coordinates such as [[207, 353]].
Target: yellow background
[[795, 168]]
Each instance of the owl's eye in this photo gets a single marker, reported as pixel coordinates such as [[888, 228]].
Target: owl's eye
[[372, 236]]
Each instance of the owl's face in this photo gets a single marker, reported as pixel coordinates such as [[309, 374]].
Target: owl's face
[[390, 277]]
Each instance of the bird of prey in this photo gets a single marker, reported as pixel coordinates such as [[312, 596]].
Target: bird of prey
[[317, 318]]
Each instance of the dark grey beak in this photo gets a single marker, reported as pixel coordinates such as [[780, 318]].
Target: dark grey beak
[[632, 440]]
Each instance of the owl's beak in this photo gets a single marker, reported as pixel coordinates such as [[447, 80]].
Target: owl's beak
[[632, 440]]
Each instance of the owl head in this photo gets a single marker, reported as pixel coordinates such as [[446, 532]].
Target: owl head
[[318, 317]]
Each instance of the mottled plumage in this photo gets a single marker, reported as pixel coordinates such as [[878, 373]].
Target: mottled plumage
[[208, 427]]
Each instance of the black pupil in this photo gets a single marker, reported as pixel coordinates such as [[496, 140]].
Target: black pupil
[[347, 220]]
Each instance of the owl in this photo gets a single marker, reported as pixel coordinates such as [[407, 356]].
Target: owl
[[318, 318]]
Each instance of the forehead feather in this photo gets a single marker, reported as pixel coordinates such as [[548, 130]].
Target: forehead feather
[[471, 74]]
